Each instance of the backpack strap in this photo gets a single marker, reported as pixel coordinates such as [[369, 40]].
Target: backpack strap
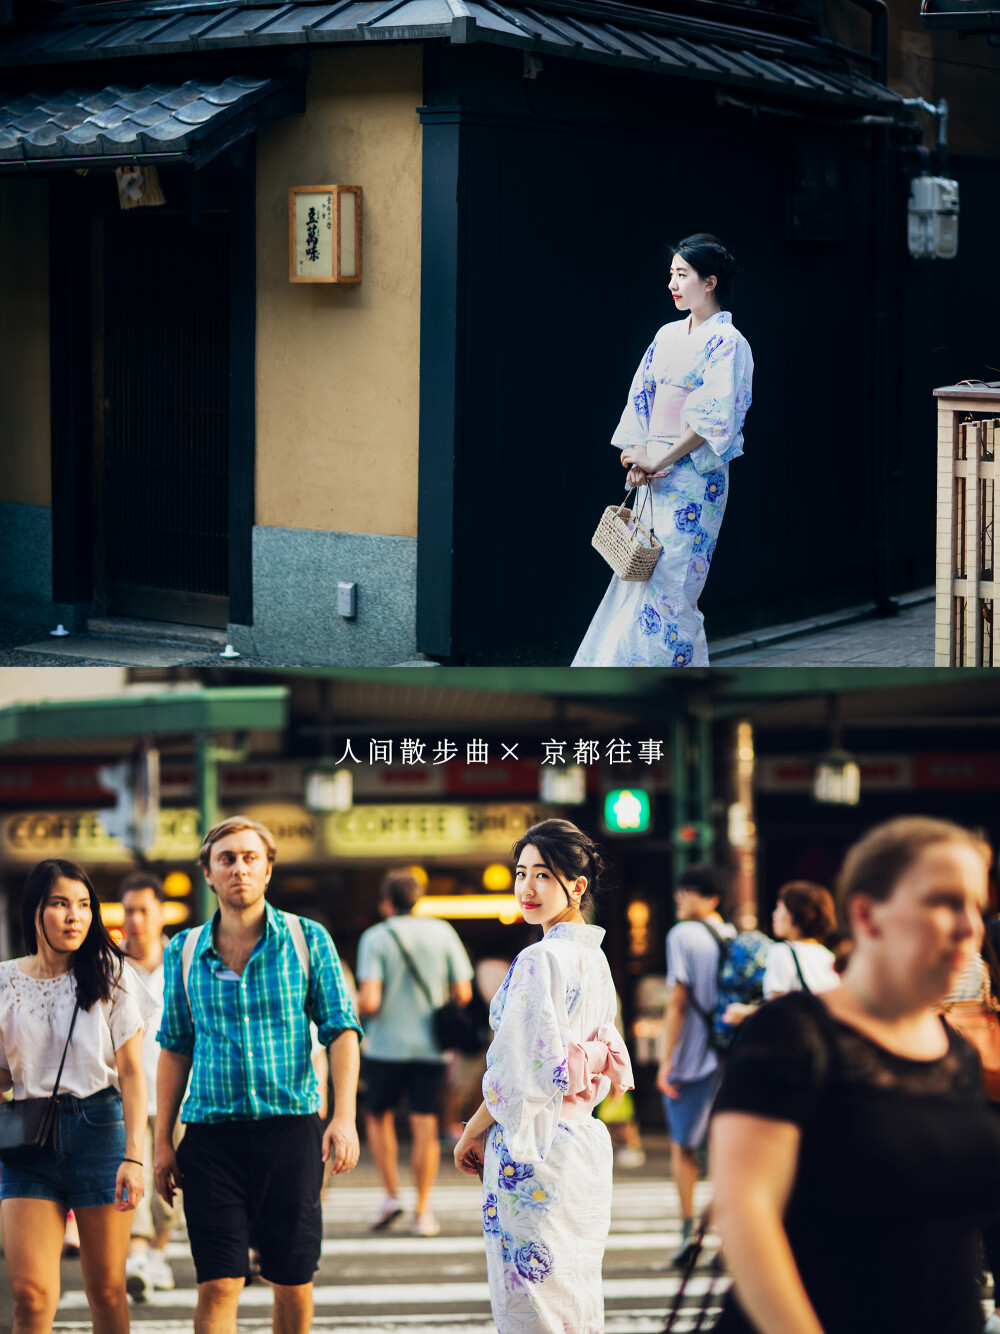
[[191, 942], [700, 1010], [298, 935], [193, 939], [798, 968]]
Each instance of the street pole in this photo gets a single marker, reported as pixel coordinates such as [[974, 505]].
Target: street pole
[[706, 830], [208, 815], [209, 758]]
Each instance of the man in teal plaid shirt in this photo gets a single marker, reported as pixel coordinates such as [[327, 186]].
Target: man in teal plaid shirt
[[238, 1001]]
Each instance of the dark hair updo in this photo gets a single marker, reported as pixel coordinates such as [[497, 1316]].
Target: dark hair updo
[[709, 257], [568, 853]]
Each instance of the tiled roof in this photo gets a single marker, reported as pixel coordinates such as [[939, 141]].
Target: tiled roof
[[611, 34], [186, 121]]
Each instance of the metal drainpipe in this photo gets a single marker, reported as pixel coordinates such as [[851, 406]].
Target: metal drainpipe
[[885, 604]]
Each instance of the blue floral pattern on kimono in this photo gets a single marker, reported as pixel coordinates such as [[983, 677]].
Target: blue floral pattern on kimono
[[546, 1179], [714, 368]]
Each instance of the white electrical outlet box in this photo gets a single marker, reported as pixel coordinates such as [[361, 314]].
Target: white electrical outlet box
[[932, 218], [347, 599]]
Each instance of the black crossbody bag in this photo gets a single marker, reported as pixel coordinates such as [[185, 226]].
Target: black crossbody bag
[[31, 1124], [454, 1029]]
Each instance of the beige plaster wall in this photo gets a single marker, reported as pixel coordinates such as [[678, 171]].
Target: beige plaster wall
[[338, 366], [25, 476]]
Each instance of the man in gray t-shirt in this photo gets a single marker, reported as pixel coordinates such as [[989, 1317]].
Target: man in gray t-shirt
[[688, 1074], [407, 967]]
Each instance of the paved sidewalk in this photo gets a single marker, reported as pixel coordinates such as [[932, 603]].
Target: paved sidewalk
[[853, 638]]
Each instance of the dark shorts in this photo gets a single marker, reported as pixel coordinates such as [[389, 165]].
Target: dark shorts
[[388, 1082], [80, 1172], [254, 1183]]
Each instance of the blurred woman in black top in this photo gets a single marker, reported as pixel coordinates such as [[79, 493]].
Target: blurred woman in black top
[[854, 1155]]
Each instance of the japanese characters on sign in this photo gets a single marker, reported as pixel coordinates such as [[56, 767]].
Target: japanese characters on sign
[[324, 234]]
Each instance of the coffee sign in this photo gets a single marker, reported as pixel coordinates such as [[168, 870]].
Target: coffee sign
[[30, 836], [430, 829]]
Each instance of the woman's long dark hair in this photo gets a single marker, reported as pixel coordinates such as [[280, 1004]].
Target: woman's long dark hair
[[98, 963]]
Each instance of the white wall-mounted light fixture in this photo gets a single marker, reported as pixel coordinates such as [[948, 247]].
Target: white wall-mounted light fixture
[[324, 234], [328, 789], [563, 787], [836, 775], [837, 779]]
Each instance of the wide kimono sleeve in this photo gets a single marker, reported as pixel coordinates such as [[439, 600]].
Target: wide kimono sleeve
[[633, 428], [527, 1071], [716, 408]]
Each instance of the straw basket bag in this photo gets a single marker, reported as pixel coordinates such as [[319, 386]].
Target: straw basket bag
[[630, 549]]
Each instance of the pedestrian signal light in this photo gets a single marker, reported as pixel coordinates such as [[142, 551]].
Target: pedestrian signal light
[[692, 834], [626, 811]]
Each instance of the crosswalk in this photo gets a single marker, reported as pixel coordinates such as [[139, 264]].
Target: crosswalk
[[400, 1284]]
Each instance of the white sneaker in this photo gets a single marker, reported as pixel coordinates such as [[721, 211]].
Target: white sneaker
[[158, 1271], [626, 1157], [391, 1210], [424, 1225], [137, 1280]]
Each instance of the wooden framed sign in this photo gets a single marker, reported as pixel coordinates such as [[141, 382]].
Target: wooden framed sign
[[324, 234]]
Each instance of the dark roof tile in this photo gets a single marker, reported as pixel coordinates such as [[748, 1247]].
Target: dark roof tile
[[638, 38], [121, 120]]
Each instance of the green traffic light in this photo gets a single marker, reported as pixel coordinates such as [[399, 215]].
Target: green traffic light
[[626, 811]]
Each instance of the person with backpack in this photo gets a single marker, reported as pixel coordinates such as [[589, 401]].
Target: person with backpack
[[689, 1071], [798, 959], [239, 994]]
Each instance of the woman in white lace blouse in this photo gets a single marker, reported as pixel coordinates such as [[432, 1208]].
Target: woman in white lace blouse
[[95, 1165]]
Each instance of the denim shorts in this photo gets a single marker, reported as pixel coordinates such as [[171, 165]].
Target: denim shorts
[[81, 1170], [687, 1114]]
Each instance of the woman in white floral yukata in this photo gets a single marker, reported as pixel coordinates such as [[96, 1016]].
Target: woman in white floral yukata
[[681, 428], [545, 1160]]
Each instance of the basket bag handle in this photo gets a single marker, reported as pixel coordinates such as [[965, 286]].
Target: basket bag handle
[[637, 514]]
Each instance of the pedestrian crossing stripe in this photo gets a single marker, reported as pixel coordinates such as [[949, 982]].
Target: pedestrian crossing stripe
[[407, 1294], [387, 1244], [620, 1322]]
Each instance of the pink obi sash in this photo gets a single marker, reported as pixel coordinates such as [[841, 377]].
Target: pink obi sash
[[603, 1057], [666, 420]]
